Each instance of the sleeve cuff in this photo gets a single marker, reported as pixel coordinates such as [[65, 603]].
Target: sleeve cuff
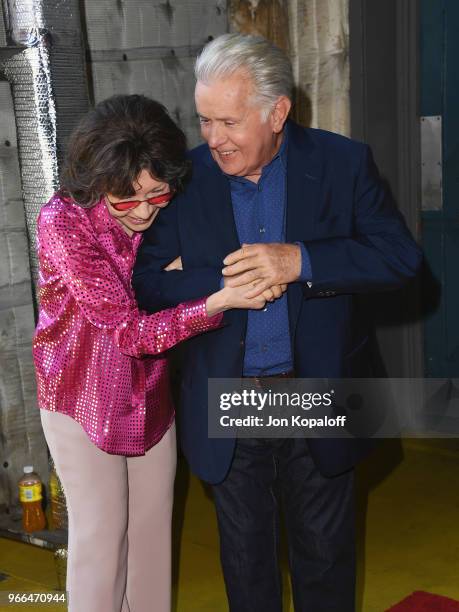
[[197, 319], [306, 271]]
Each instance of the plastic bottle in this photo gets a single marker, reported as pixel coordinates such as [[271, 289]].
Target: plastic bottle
[[30, 496]]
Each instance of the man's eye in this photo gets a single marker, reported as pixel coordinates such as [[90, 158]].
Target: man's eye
[[229, 123], [203, 121]]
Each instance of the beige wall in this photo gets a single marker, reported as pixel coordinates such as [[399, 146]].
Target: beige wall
[[315, 34]]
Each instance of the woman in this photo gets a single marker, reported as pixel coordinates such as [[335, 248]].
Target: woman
[[106, 410]]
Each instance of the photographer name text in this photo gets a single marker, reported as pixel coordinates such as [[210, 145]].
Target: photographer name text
[[291, 421]]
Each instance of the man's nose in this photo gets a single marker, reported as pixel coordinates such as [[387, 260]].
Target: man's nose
[[215, 136]]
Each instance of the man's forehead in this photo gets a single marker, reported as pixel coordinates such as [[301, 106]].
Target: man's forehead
[[223, 96], [239, 81]]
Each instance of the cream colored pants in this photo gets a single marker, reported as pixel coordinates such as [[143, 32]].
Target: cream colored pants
[[119, 509]]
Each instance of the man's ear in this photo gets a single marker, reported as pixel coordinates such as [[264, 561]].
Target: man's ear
[[280, 113]]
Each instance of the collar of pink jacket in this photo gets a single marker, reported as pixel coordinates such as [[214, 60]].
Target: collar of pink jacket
[[103, 222], [101, 219]]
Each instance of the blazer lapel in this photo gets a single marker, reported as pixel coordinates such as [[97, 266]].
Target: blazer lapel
[[219, 208], [304, 177]]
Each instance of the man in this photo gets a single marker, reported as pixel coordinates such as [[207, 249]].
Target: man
[[310, 212]]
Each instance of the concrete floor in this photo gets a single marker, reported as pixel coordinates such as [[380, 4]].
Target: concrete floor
[[408, 515]]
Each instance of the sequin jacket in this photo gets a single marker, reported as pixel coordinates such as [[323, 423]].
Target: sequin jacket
[[90, 341]]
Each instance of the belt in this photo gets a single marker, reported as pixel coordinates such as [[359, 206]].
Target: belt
[[289, 374], [279, 376]]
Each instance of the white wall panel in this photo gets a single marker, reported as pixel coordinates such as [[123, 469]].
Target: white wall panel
[[168, 80], [132, 24], [149, 47]]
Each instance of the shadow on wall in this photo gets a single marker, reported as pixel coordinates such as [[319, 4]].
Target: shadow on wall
[[302, 107], [413, 303]]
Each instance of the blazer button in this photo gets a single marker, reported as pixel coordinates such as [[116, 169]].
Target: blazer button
[[242, 342]]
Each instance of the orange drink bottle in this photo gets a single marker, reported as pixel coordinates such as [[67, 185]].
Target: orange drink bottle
[[30, 496]]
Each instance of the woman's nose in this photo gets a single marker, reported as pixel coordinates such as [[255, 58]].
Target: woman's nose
[[144, 210]]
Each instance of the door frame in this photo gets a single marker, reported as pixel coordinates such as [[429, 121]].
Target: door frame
[[384, 104]]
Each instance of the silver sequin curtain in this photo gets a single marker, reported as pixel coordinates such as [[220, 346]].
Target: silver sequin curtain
[[48, 83], [44, 95]]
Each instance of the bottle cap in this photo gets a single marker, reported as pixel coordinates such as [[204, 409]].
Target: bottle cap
[[28, 469]]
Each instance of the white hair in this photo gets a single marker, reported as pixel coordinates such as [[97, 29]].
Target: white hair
[[268, 67]]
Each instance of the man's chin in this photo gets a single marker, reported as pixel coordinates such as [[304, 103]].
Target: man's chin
[[230, 168]]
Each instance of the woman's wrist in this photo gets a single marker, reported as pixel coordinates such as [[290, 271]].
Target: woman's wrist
[[216, 303]]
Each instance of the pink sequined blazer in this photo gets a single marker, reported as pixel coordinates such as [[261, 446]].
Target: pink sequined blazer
[[92, 346]]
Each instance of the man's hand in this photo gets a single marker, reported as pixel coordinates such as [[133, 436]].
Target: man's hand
[[270, 294], [263, 265]]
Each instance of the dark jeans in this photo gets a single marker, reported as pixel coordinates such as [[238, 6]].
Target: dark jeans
[[319, 514]]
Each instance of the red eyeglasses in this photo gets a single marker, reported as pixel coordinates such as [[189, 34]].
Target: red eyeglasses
[[155, 201]]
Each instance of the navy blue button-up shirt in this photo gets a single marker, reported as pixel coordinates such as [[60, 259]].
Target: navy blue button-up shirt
[[259, 212]]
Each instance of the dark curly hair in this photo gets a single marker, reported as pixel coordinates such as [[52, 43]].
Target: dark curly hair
[[115, 141]]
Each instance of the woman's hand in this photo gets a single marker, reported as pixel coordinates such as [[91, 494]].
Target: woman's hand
[[274, 292], [270, 294], [174, 265], [233, 297]]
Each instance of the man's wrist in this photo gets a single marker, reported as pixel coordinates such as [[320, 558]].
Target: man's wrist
[[306, 270]]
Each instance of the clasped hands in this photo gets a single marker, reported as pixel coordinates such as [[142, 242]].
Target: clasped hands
[[260, 272]]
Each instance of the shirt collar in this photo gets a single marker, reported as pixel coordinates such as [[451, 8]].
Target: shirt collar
[[282, 154], [103, 222], [101, 219]]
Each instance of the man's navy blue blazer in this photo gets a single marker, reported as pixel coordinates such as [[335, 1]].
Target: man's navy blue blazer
[[357, 242]]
